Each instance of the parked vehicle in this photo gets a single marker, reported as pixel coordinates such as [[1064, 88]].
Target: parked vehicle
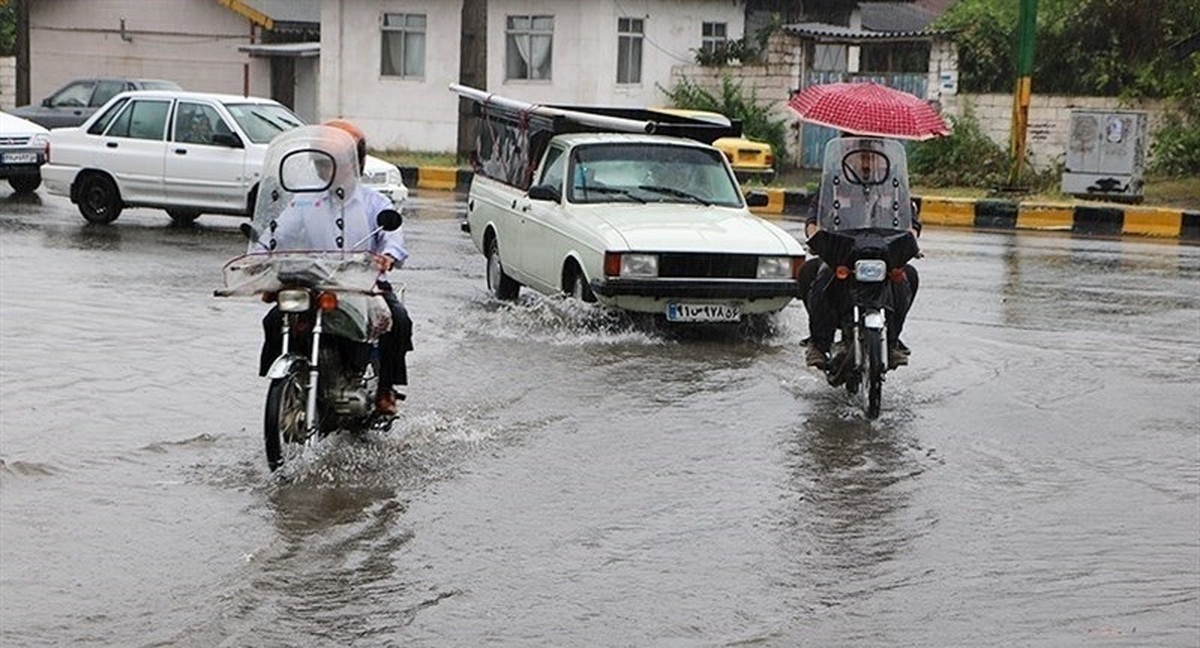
[[72, 104], [645, 223], [865, 220], [325, 379], [750, 159], [188, 153], [23, 146]]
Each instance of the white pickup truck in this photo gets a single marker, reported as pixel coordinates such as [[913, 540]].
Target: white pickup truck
[[640, 222]]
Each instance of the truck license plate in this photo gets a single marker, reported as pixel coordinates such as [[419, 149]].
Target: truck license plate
[[703, 313], [19, 158]]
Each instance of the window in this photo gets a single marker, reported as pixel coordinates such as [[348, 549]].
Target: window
[[554, 169], [102, 123], [262, 122], [106, 90], [75, 95], [629, 50], [530, 41], [712, 37], [141, 120], [197, 123], [403, 45]]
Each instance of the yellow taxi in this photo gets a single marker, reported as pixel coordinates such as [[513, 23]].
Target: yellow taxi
[[749, 158]]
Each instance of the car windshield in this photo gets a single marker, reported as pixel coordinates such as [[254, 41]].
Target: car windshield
[[604, 173], [262, 122]]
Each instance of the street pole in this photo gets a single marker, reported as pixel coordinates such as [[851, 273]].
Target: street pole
[[1026, 28]]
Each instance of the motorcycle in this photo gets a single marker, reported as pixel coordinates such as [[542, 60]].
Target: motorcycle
[[865, 239], [330, 311]]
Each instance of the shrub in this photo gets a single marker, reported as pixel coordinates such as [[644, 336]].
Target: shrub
[[757, 120], [1175, 151], [967, 157]]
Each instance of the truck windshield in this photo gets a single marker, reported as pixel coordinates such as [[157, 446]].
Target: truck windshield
[[650, 172]]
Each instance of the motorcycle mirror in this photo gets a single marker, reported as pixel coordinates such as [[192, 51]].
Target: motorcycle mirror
[[389, 220]]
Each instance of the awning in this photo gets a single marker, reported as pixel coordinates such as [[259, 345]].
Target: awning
[[283, 50], [825, 33]]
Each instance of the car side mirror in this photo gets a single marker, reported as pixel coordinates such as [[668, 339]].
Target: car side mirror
[[389, 220], [46, 103], [227, 139], [757, 199], [544, 192]]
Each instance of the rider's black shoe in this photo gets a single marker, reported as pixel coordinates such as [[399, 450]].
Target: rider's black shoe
[[903, 347], [896, 357], [815, 357]]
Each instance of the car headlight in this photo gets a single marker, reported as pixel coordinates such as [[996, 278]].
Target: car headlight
[[870, 270], [770, 267], [617, 264], [294, 301]]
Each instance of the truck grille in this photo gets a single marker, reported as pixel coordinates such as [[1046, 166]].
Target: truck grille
[[713, 266]]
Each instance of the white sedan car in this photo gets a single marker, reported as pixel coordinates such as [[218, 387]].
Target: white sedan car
[[640, 223], [186, 152], [22, 152]]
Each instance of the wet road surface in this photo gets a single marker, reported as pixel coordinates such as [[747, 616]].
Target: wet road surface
[[563, 478]]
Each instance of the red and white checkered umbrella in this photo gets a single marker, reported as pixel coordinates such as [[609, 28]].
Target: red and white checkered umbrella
[[869, 109]]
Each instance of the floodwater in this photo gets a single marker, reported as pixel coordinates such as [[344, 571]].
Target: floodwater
[[563, 478]]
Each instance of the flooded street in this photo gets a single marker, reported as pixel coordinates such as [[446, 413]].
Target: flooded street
[[563, 478]]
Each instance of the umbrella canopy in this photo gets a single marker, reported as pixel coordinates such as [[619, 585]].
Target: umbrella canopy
[[869, 109]]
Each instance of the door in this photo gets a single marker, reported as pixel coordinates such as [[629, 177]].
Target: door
[[134, 147], [540, 245], [198, 170]]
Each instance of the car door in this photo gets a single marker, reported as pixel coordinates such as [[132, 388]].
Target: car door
[[133, 149], [201, 167], [542, 243]]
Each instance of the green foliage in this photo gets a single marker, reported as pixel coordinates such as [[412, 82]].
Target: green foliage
[[8, 28], [757, 121], [1082, 47], [965, 158], [1176, 148]]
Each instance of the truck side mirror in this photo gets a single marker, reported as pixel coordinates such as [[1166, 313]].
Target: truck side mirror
[[544, 192], [757, 199]]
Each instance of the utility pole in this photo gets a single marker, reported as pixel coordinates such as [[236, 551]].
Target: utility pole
[[22, 80], [472, 71], [1026, 28]]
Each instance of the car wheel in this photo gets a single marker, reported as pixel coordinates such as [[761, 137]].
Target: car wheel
[[23, 184], [499, 284], [99, 201], [577, 282], [183, 217]]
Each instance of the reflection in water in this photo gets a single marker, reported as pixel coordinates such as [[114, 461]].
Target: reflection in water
[[852, 482], [14, 202]]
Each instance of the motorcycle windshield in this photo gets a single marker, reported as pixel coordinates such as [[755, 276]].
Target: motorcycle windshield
[[309, 176], [864, 185]]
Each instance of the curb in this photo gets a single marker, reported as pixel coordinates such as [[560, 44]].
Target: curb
[[1097, 219]]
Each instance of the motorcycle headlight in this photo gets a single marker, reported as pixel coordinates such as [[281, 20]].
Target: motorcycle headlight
[[639, 265], [775, 267], [870, 270], [294, 300]]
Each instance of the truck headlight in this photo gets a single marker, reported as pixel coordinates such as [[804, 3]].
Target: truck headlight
[[294, 300], [776, 267], [870, 270], [639, 265]]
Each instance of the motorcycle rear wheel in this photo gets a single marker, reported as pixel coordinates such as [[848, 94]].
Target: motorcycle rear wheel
[[284, 420], [874, 371]]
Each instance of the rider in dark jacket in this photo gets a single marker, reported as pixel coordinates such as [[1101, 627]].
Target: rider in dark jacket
[[825, 304]]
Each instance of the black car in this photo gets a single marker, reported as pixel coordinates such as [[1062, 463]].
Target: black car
[[73, 103]]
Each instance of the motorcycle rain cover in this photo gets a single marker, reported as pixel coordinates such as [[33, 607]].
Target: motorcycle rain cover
[[299, 235], [864, 185]]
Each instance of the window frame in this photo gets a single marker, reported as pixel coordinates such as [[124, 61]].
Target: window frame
[[710, 42], [512, 33], [405, 31], [630, 43]]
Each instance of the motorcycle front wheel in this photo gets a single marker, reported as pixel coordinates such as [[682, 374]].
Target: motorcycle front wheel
[[284, 422], [874, 370]]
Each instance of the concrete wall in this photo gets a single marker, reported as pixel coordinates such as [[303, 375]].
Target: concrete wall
[[192, 43], [422, 114], [8, 82], [1049, 120]]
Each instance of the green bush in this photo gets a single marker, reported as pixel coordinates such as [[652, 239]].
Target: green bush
[[967, 157], [757, 120], [1176, 148]]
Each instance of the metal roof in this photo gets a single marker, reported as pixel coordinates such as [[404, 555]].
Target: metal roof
[[279, 15], [283, 50], [894, 17], [826, 33]]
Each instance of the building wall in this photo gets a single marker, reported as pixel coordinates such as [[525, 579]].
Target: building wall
[[192, 42], [422, 114], [412, 114], [8, 82]]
